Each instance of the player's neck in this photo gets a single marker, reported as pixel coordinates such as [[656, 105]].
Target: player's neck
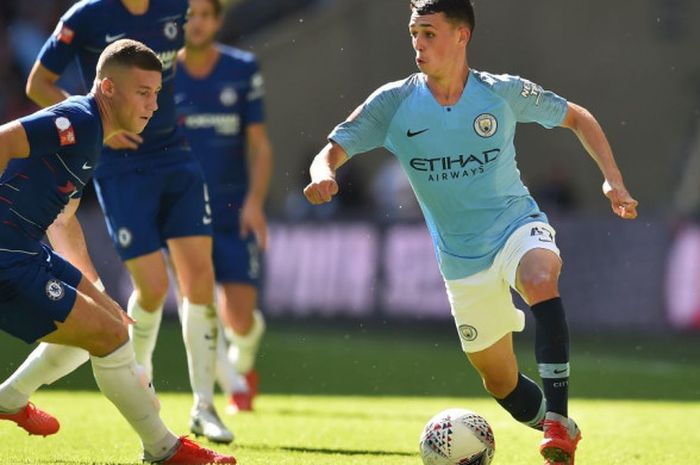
[[136, 7], [109, 126], [448, 88], [200, 61]]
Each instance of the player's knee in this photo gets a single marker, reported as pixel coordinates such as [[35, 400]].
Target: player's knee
[[539, 281], [110, 335], [152, 293]]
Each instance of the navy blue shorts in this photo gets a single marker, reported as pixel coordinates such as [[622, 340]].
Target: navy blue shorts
[[35, 293], [236, 260], [147, 206]]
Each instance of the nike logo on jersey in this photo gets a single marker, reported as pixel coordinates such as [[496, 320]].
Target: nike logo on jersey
[[87, 166], [410, 133], [558, 371], [109, 38], [69, 188]]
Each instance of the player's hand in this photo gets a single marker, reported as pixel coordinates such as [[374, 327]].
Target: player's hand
[[253, 220], [321, 191], [124, 140], [622, 203]]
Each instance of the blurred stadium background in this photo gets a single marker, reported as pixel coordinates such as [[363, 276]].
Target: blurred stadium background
[[366, 259]]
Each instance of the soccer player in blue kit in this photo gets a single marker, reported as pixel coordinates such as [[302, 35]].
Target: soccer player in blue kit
[[47, 158], [219, 97], [452, 129], [151, 190]]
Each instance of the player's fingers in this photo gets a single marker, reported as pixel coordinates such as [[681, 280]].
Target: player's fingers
[[127, 319], [333, 188], [261, 236]]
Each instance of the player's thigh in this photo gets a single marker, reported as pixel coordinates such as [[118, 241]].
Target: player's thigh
[[89, 326], [131, 205], [533, 242], [185, 209], [483, 310]]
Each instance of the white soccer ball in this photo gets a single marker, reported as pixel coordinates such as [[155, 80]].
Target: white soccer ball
[[457, 437]]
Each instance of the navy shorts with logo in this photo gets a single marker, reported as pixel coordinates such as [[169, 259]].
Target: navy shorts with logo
[[236, 260], [148, 205], [35, 292]]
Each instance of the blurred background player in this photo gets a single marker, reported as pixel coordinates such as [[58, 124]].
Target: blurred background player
[[219, 96], [51, 155], [452, 129], [150, 187]]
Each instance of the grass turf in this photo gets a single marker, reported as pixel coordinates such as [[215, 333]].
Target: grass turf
[[359, 395]]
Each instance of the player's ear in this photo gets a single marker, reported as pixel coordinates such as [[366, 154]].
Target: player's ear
[[107, 86], [465, 35]]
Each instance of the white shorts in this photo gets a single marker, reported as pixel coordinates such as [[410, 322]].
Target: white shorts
[[482, 305]]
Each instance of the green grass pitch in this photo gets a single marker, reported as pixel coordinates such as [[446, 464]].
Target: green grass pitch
[[352, 395]]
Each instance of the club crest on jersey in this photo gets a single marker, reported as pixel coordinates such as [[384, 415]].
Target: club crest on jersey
[[228, 96], [124, 237], [66, 134], [54, 289], [170, 30], [485, 125]]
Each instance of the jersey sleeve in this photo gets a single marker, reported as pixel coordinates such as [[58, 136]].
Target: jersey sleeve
[[65, 41], [255, 109], [43, 132], [529, 102], [60, 129], [366, 128]]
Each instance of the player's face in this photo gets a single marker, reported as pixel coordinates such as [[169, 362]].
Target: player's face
[[439, 43], [202, 24], [135, 97]]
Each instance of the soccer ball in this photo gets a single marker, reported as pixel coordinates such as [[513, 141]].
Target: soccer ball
[[457, 437]]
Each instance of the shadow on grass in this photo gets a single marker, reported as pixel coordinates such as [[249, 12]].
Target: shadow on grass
[[330, 451]]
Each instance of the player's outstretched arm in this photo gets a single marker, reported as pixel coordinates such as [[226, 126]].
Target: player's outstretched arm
[[323, 186], [41, 86], [593, 139]]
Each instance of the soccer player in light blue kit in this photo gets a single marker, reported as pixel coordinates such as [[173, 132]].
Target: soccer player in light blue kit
[[452, 129], [219, 96], [151, 190], [49, 157]]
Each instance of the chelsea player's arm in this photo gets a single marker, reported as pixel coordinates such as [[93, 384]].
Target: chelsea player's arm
[[13, 143], [67, 238]]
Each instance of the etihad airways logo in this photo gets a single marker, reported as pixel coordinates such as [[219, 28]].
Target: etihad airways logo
[[454, 167]]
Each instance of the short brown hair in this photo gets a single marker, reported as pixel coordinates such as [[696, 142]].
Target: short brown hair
[[128, 53]]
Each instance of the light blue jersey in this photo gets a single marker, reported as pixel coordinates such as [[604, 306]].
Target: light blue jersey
[[459, 159]]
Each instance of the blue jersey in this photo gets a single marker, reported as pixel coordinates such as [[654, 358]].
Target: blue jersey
[[65, 142], [215, 111], [460, 159], [88, 27]]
